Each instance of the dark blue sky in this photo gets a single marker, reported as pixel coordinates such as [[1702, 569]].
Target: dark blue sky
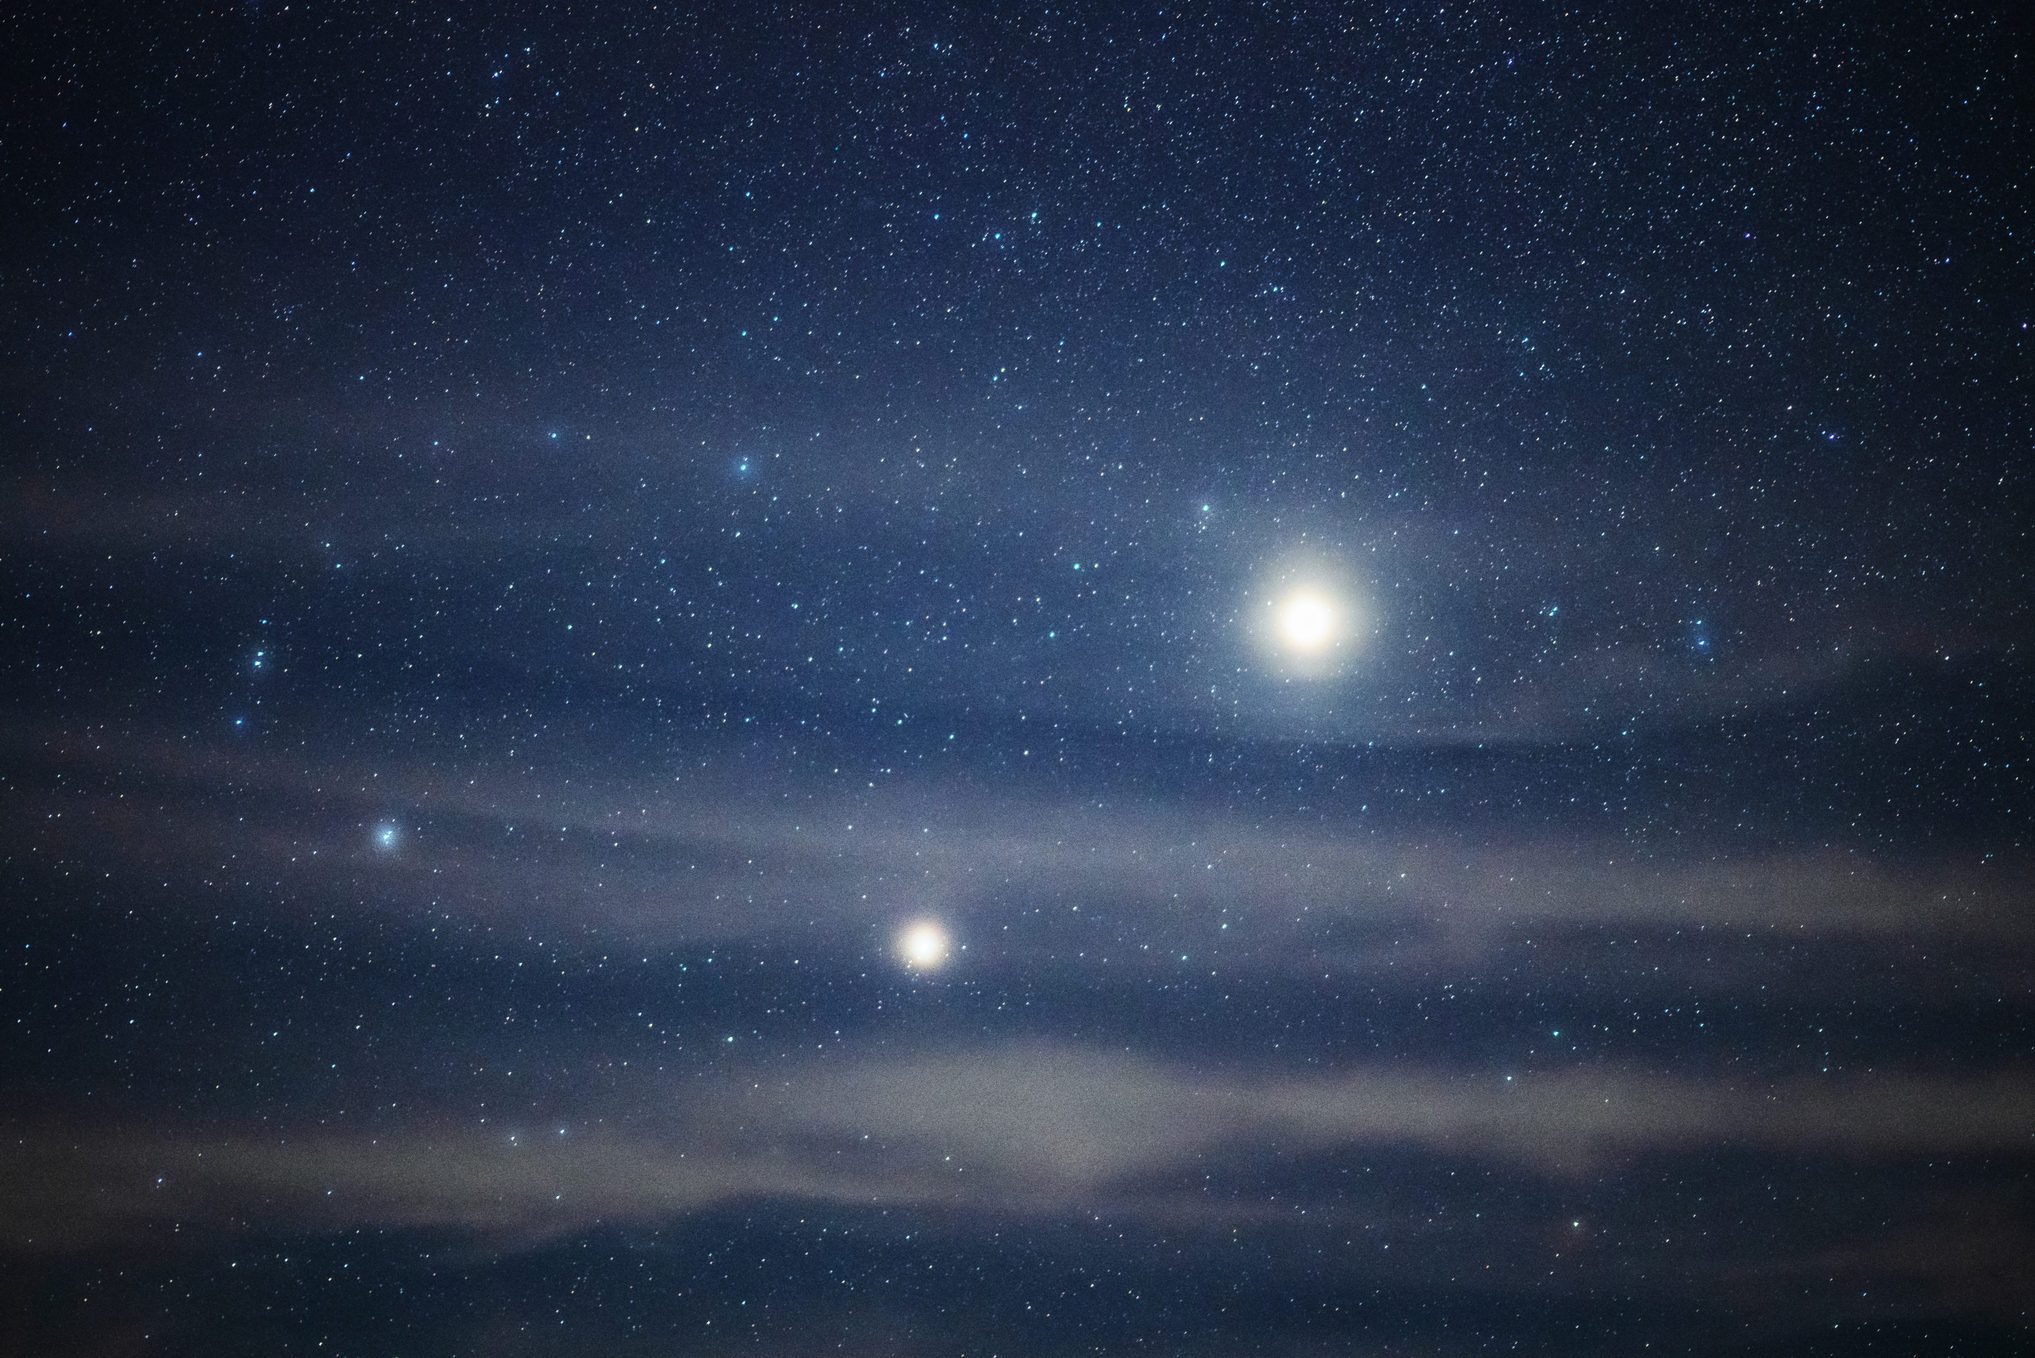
[[536, 543]]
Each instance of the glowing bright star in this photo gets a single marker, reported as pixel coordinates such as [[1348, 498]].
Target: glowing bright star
[[1308, 621], [385, 837], [924, 945]]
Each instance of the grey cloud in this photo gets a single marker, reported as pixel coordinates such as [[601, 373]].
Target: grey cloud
[[1023, 1129], [715, 853], [1082, 1117]]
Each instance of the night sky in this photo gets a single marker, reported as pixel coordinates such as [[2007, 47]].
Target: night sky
[[997, 680]]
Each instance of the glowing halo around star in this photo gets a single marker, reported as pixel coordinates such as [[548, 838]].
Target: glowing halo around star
[[924, 945]]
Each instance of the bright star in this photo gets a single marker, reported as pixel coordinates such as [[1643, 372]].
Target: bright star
[[385, 837], [924, 945], [1309, 621]]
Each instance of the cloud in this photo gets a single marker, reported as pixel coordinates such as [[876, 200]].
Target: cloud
[[1080, 1117], [715, 853], [1017, 1129]]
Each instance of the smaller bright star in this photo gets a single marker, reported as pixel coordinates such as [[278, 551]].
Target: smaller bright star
[[924, 945]]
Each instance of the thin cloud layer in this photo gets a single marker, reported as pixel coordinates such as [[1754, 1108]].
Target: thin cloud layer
[[1016, 1130], [710, 854]]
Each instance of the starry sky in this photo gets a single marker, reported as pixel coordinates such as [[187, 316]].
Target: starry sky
[[1017, 680]]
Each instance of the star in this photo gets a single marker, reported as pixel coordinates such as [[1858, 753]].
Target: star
[[924, 945], [1309, 622]]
